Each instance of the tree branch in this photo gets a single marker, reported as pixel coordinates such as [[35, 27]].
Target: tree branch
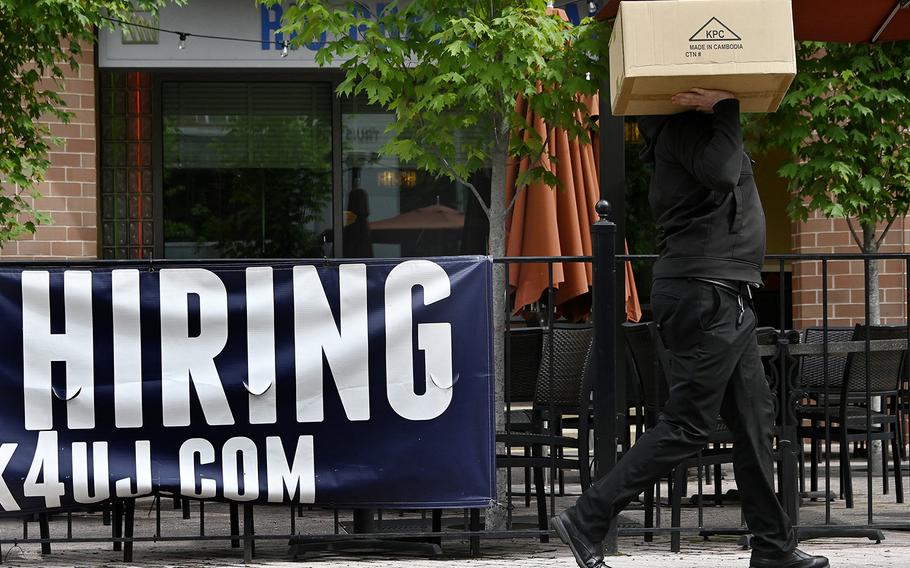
[[878, 243], [856, 238], [463, 181]]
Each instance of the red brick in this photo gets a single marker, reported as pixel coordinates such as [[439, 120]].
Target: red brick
[[816, 225], [89, 190], [66, 248], [810, 282], [805, 296], [805, 269], [63, 159], [849, 281], [71, 100], [65, 189], [83, 116], [52, 204], [50, 233], [892, 310], [80, 86], [34, 248], [839, 267], [858, 296], [81, 234], [90, 249], [87, 101], [81, 204], [894, 266], [838, 296], [81, 174], [892, 280], [84, 146], [66, 130], [833, 238], [87, 131], [812, 311], [895, 295], [52, 147], [849, 311], [89, 219], [68, 218], [86, 71], [55, 174]]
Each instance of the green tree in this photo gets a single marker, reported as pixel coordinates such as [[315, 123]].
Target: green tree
[[444, 66], [846, 122], [38, 39]]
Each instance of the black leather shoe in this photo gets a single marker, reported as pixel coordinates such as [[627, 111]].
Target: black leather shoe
[[587, 554], [796, 559]]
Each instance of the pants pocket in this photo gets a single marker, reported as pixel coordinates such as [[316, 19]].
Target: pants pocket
[[677, 315]]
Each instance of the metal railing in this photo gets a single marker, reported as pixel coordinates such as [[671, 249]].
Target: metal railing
[[817, 511]]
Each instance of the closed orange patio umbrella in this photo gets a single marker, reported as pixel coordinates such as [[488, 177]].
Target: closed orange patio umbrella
[[556, 221]]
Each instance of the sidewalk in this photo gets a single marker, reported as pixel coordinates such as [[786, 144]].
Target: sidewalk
[[719, 552]]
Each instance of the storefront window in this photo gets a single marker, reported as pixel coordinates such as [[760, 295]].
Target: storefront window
[[393, 209], [247, 169]]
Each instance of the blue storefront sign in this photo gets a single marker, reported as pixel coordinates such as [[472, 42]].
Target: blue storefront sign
[[362, 384]]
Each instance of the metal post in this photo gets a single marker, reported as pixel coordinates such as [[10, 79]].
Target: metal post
[[248, 543], [603, 237], [129, 518], [789, 437], [117, 525], [234, 514], [475, 528], [45, 532]]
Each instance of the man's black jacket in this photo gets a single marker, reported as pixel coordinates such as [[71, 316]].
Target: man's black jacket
[[709, 217]]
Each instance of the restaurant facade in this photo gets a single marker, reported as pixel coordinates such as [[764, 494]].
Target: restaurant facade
[[189, 147]]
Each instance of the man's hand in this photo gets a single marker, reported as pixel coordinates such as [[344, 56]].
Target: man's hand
[[702, 99]]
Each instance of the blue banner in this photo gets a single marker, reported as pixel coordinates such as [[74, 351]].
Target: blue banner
[[361, 384]]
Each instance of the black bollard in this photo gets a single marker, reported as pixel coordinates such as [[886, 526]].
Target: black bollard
[[603, 241]]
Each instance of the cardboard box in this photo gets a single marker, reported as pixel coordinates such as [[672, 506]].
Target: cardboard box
[[659, 48]]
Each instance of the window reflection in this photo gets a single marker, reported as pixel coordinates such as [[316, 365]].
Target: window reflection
[[247, 169], [410, 213]]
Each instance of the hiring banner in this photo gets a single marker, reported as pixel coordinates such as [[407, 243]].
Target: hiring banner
[[363, 384]]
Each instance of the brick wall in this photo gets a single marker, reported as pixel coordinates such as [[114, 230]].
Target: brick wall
[[69, 191], [846, 294]]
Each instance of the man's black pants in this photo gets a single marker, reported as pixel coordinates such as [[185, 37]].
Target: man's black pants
[[714, 370]]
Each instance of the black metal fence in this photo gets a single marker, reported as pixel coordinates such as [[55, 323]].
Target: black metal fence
[[574, 398]]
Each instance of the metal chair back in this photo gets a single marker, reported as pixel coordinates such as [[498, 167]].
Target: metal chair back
[[562, 388], [885, 368], [812, 367]]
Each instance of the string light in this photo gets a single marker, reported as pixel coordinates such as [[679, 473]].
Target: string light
[[182, 36]]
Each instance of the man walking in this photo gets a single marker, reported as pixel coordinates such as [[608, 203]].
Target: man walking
[[711, 245]]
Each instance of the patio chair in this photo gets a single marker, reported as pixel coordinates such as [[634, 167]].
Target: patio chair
[[524, 363], [525, 350], [564, 392], [847, 409], [812, 381]]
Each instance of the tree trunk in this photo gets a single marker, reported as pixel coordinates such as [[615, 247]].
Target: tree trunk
[[874, 317], [496, 515]]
